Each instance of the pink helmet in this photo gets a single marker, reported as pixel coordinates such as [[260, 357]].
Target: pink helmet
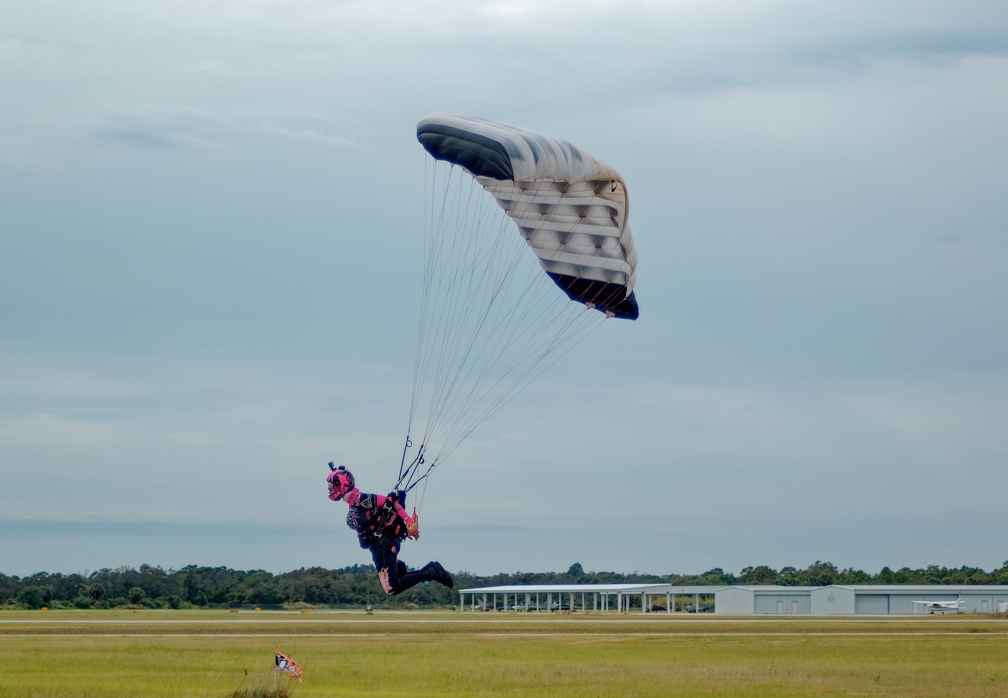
[[340, 482]]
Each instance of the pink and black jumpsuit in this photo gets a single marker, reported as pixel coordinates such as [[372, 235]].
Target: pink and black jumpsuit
[[380, 523]]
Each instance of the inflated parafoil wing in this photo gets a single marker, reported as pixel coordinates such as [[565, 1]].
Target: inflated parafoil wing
[[570, 208], [490, 322]]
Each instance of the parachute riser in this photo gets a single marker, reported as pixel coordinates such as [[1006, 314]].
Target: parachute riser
[[402, 462], [406, 475]]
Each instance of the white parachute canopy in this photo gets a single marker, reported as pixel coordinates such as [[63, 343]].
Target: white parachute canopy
[[491, 321]]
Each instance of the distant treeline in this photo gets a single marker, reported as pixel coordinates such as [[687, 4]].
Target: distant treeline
[[357, 586]]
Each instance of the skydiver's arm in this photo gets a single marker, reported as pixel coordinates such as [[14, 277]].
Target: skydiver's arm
[[382, 500], [412, 526]]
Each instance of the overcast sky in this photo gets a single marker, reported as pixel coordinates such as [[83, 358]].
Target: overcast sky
[[211, 221]]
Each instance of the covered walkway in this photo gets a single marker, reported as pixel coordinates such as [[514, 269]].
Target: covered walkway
[[583, 597]]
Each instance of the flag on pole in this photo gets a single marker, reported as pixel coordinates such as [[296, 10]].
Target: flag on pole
[[285, 663]]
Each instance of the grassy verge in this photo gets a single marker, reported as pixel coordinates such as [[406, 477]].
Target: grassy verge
[[77, 654]]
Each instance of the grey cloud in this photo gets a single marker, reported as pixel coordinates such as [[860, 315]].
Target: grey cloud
[[167, 128], [218, 284]]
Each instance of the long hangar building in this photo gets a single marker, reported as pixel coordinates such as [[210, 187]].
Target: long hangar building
[[853, 599]]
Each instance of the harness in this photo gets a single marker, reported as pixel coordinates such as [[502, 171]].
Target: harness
[[378, 526]]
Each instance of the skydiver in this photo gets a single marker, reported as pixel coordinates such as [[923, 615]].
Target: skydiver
[[381, 524]]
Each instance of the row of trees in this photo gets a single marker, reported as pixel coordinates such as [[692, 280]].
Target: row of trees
[[357, 586], [826, 573]]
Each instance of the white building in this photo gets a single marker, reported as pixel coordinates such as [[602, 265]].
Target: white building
[[585, 597], [854, 599]]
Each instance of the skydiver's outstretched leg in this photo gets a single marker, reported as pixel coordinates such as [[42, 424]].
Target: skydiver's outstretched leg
[[395, 578], [436, 573]]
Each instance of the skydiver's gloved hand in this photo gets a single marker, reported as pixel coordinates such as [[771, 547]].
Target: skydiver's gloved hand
[[413, 527]]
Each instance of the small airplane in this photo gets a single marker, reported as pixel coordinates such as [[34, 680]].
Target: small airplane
[[941, 606]]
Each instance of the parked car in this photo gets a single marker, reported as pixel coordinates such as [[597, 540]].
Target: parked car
[[699, 609]]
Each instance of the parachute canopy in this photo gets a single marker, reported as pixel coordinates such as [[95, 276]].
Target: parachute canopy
[[570, 208], [490, 320]]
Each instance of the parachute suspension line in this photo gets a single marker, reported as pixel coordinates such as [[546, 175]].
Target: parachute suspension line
[[419, 366], [421, 320], [491, 329], [516, 355], [402, 463], [491, 321], [454, 287], [494, 266], [407, 475], [504, 397], [480, 324], [435, 276], [431, 245], [485, 271], [423, 493], [528, 353], [416, 480]]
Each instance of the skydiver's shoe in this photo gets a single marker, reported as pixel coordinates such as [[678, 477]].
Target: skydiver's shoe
[[436, 573]]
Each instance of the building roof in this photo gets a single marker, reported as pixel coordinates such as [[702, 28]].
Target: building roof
[[592, 589], [773, 587], [926, 588], [568, 588], [710, 589], [877, 588]]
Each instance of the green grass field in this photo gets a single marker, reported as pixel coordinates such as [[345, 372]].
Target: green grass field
[[78, 654]]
